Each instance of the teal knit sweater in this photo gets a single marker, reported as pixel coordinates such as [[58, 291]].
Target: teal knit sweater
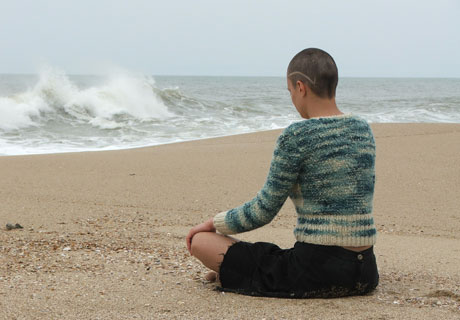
[[326, 166]]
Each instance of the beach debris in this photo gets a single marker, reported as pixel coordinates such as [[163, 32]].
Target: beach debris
[[10, 226]]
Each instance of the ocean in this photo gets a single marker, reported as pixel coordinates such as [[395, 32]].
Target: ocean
[[53, 112]]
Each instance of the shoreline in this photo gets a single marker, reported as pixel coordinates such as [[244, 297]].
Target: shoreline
[[376, 124], [140, 147], [104, 232]]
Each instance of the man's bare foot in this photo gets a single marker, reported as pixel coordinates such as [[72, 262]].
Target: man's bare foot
[[212, 276]]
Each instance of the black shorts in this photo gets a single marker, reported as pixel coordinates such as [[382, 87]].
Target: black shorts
[[305, 271]]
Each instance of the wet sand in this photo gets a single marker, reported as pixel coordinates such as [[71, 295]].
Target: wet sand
[[104, 232]]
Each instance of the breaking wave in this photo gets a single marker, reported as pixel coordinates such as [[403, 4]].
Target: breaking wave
[[110, 105]]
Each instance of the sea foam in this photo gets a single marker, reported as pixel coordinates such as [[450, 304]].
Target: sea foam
[[53, 112], [56, 97]]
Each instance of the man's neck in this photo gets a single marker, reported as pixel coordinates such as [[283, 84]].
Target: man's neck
[[323, 108]]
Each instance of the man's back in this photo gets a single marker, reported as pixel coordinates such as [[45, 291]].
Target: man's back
[[335, 185]]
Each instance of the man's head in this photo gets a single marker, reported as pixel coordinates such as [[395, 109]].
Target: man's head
[[316, 69]]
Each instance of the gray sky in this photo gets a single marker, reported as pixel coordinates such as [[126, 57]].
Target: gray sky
[[240, 37]]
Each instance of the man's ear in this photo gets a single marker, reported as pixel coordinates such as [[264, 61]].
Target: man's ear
[[302, 88]]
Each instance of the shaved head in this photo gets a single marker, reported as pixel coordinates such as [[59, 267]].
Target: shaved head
[[316, 69]]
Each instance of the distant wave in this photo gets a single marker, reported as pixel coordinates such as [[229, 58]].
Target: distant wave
[[123, 97], [60, 113], [53, 112]]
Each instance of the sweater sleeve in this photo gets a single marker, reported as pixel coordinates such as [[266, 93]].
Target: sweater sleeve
[[284, 169]]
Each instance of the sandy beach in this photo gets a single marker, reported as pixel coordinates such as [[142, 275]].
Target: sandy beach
[[104, 232]]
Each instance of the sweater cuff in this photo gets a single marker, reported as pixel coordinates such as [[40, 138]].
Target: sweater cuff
[[220, 225]]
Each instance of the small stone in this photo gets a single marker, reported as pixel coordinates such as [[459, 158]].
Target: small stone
[[66, 249], [10, 226]]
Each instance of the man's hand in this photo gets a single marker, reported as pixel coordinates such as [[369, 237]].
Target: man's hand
[[207, 226]]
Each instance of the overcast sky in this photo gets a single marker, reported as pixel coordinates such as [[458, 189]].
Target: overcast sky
[[393, 38]]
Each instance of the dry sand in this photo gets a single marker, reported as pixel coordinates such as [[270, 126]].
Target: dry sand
[[104, 232]]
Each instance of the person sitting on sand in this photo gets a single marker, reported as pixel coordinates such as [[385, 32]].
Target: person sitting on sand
[[326, 165]]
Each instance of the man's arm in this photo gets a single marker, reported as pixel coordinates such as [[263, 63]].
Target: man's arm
[[284, 169]]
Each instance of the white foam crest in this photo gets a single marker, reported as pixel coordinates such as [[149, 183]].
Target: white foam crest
[[123, 94], [16, 114], [21, 110]]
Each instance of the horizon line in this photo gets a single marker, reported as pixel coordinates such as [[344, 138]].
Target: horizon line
[[240, 76]]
